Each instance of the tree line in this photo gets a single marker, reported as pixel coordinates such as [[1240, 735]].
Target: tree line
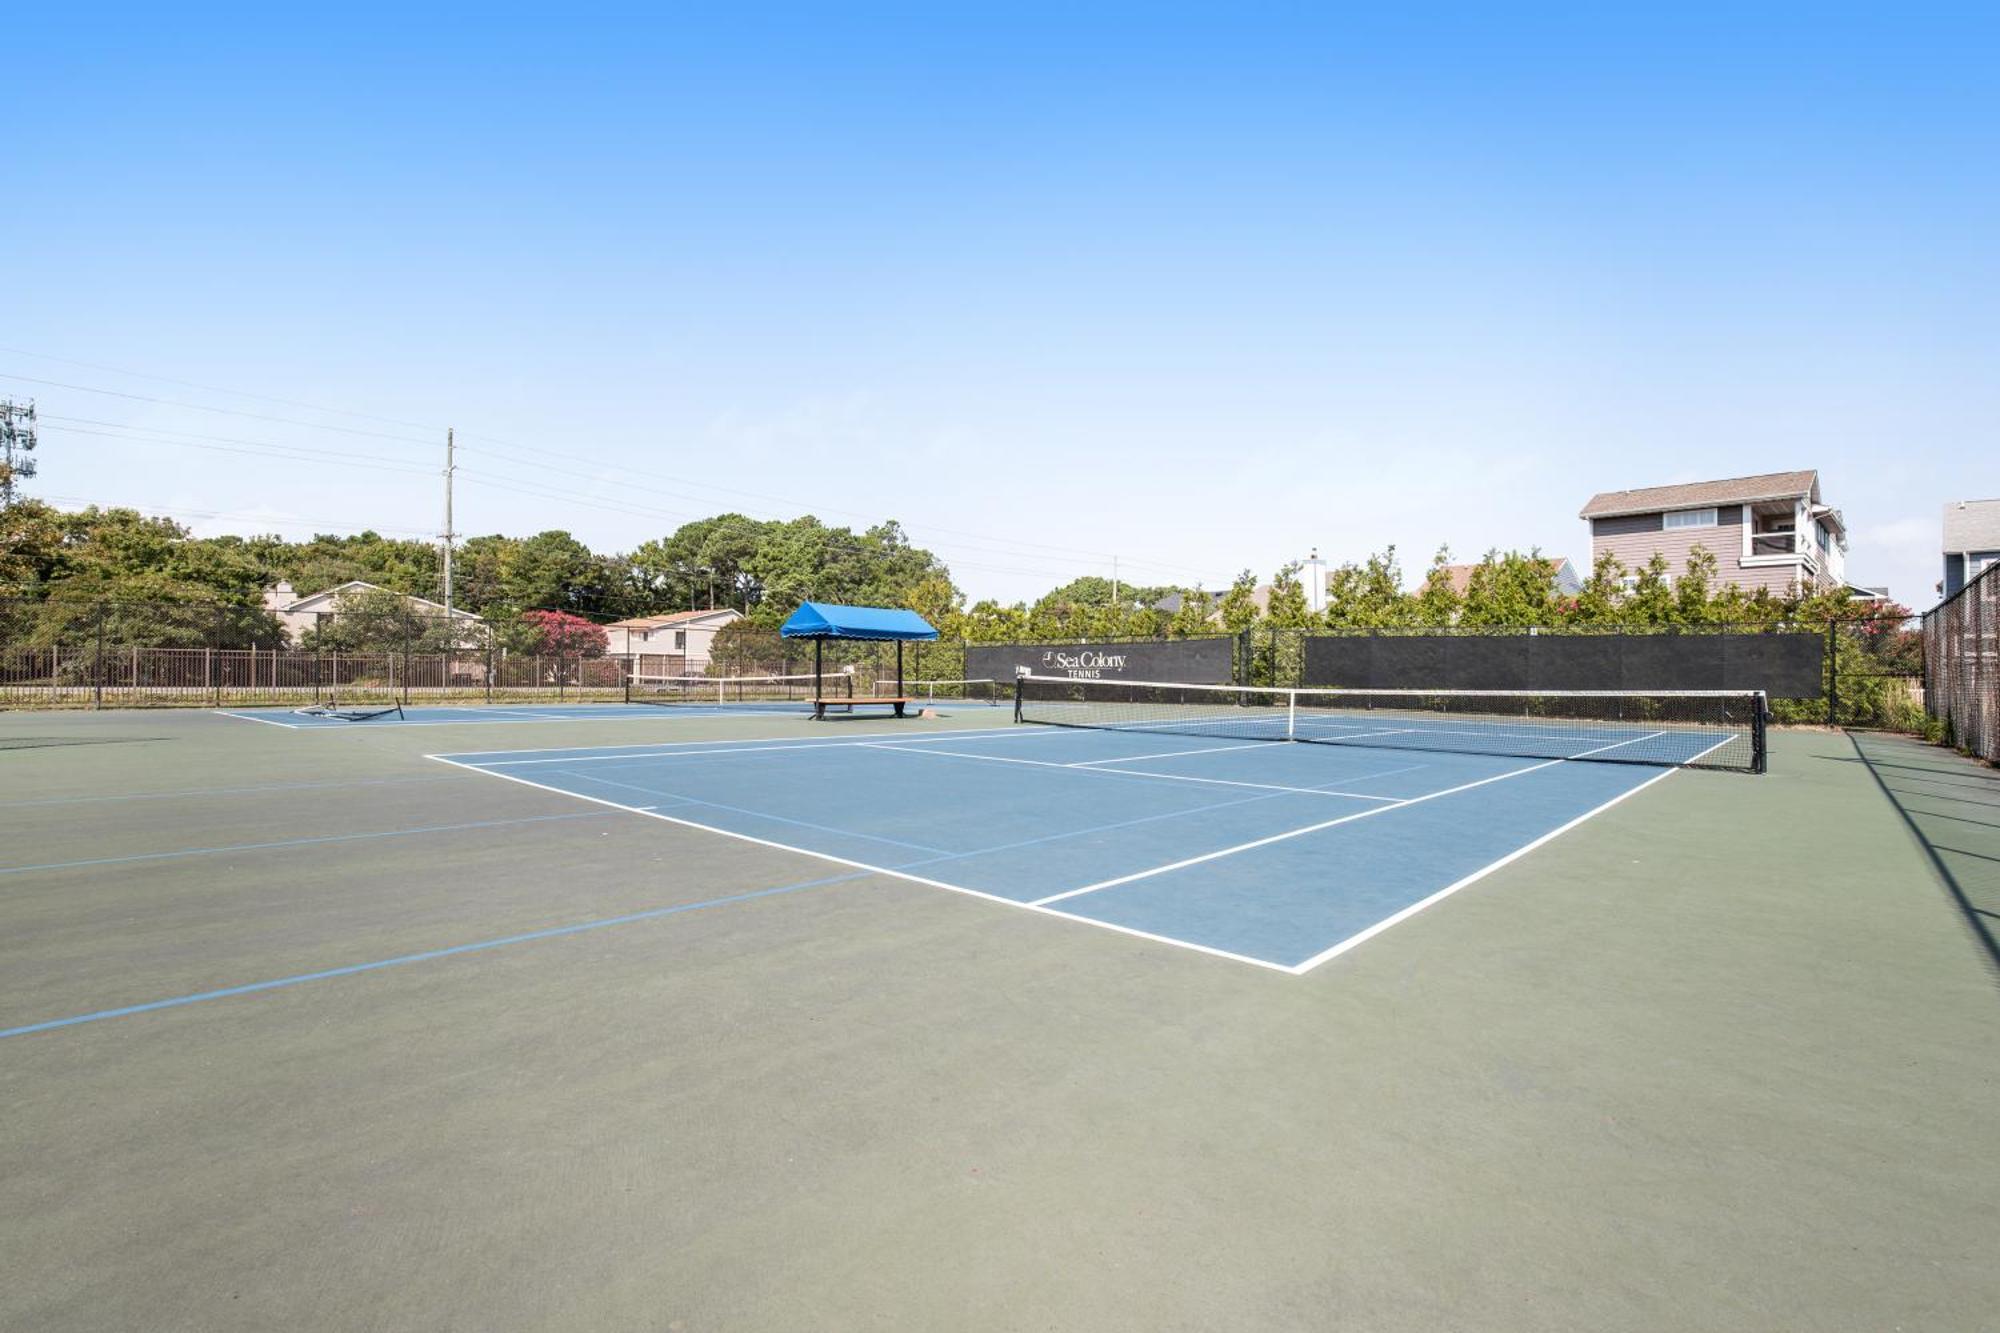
[[765, 567]]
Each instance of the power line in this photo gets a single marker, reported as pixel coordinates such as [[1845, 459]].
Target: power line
[[212, 388], [254, 448], [203, 407], [503, 449], [232, 516]]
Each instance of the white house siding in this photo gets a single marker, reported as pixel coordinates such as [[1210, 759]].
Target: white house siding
[[687, 640]]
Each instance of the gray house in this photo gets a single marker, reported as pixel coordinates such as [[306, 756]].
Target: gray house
[[1971, 541], [1769, 531]]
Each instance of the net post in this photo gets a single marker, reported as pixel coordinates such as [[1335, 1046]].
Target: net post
[[1291, 715], [1760, 713]]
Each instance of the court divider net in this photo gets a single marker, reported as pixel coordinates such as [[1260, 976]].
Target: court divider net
[[722, 691]]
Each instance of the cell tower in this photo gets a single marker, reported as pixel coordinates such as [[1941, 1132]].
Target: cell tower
[[17, 442]]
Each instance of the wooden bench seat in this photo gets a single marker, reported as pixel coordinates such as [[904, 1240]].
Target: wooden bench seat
[[850, 703]]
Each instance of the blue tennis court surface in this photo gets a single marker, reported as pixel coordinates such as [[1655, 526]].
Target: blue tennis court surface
[[1282, 855]]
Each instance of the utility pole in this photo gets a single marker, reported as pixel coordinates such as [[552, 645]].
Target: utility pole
[[17, 441], [1114, 580], [450, 466], [1318, 577]]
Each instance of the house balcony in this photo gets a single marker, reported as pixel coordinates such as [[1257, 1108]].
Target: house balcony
[[1776, 543]]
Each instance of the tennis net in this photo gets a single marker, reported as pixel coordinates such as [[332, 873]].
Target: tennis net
[[954, 691], [1674, 728], [726, 690]]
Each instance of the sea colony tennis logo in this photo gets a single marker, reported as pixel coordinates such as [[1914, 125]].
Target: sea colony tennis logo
[[1085, 665]]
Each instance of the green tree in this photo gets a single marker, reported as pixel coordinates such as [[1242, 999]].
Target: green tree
[[1511, 590], [1195, 617], [550, 570], [1692, 589], [1239, 605], [1437, 603], [376, 620], [989, 622], [1287, 607], [1651, 599], [1369, 595], [1597, 602]]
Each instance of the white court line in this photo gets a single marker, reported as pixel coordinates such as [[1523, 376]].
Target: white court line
[[814, 743], [875, 869], [744, 745], [486, 719], [1361, 937], [1171, 754], [1314, 828], [1647, 737], [269, 722], [1083, 767]]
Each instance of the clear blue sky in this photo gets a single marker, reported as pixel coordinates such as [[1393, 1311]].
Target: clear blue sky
[[1199, 288]]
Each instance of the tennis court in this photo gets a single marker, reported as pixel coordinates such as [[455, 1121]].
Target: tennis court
[[620, 1016], [1266, 853]]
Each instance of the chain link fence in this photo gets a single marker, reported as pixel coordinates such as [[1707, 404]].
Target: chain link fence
[[79, 652], [1961, 662], [84, 653], [119, 654]]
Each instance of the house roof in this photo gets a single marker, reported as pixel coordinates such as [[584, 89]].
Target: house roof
[[1972, 525], [823, 620], [1700, 494], [674, 618], [331, 596]]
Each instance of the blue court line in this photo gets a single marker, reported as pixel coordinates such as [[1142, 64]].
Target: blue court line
[[215, 791], [685, 799], [292, 842], [427, 955]]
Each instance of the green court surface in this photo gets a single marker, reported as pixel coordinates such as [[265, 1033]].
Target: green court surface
[[305, 1029]]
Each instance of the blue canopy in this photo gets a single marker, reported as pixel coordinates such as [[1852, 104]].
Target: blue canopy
[[819, 620]]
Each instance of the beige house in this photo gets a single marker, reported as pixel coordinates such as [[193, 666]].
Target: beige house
[[687, 635], [300, 614], [1769, 531]]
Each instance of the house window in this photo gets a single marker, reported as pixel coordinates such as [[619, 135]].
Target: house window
[[1690, 518], [680, 640]]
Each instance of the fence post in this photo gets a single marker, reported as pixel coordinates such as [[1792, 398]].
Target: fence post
[[1832, 670], [408, 648], [97, 663], [214, 643]]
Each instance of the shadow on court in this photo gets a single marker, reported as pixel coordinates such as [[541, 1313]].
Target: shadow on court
[[1952, 807]]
